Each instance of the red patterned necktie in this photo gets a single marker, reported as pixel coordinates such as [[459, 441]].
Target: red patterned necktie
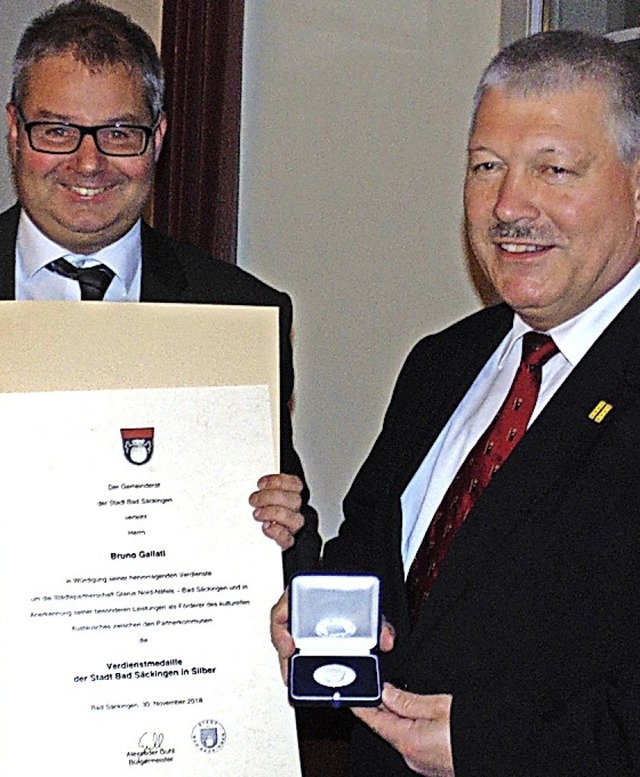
[[485, 458]]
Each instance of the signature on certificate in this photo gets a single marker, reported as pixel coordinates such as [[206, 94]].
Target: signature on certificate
[[150, 741]]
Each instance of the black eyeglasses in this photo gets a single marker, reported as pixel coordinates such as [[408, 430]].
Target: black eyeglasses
[[57, 137]]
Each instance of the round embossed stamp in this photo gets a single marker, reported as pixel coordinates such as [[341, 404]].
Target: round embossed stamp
[[208, 736]]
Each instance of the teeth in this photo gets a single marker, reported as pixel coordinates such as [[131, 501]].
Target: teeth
[[514, 248], [83, 192]]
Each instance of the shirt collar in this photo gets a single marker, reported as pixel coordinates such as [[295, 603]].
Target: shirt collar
[[575, 336], [35, 250]]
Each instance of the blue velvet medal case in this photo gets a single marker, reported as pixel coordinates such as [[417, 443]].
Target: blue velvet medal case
[[335, 622]]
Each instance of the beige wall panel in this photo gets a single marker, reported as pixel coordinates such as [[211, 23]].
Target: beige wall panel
[[147, 13], [354, 132]]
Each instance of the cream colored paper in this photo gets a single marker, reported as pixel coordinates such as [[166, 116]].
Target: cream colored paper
[[49, 346], [135, 597]]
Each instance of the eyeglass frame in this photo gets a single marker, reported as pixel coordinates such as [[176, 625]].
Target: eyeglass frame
[[87, 130]]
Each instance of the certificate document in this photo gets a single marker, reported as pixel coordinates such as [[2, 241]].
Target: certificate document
[[135, 586]]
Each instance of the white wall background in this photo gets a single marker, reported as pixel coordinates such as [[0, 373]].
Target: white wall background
[[354, 130]]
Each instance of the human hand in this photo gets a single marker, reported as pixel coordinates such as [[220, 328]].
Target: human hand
[[277, 503], [417, 726], [280, 636], [387, 636]]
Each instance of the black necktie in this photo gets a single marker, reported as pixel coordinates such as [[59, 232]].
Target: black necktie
[[94, 281]]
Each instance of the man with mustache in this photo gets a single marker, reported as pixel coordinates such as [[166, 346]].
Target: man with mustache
[[500, 503], [85, 130]]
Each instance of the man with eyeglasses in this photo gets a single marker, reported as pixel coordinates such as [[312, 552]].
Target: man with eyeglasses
[[85, 129]]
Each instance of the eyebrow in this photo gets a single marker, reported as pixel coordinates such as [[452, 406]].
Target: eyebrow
[[553, 150], [125, 118], [556, 149]]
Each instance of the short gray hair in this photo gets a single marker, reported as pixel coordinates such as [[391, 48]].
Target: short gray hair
[[564, 60], [96, 35]]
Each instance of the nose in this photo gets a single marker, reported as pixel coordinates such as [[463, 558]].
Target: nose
[[515, 198], [87, 159]]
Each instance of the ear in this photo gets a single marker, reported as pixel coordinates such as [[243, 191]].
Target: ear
[[13, 129], [158, 136]]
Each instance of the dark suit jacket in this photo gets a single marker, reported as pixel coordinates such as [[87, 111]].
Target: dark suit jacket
[[533, 624], [177, 272]]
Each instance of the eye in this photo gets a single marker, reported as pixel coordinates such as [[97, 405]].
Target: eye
[[118, 134], [56, 131], [485, 167], [557, 172]]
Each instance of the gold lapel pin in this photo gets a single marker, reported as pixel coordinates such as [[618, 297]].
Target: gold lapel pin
[[599, 412]]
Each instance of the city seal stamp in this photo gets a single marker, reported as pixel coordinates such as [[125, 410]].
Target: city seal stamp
[[137, 444], [208, 736]]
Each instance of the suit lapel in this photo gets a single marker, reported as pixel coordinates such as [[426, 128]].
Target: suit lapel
[[455, 374], [565, 432], [464, 357], [163, 277], [8, 234]]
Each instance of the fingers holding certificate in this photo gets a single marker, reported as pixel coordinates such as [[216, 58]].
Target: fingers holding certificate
[[277, 505]]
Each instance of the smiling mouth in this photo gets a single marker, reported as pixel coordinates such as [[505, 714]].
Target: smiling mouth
[[519, 248], [85, 191]]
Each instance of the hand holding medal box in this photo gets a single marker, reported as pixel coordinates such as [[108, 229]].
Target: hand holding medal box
[[335, 622]]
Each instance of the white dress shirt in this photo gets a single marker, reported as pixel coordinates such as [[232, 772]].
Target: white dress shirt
[[34, 250], [424, 493]]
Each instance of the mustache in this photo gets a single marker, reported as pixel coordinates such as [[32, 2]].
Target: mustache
[[517, 230]]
